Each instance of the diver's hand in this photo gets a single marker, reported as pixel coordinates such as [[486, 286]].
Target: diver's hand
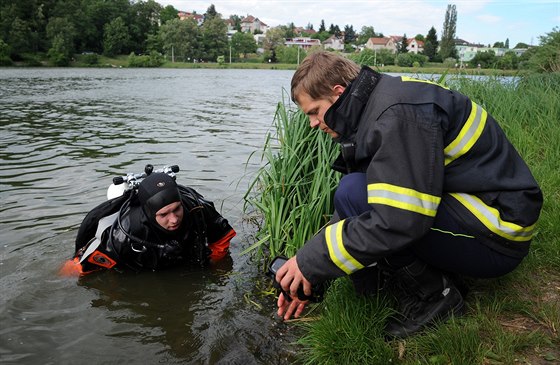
[[286, 308]]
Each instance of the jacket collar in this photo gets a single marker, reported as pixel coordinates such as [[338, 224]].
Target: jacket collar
[[344, 115]]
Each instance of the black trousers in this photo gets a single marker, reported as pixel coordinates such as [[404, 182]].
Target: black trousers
[[446, 246]]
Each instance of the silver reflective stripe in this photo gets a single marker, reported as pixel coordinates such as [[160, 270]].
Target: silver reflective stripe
[[337, 252], [490, 217], [469, 134], [403, 198]]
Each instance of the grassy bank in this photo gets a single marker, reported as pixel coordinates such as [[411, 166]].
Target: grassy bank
[[514, 319]]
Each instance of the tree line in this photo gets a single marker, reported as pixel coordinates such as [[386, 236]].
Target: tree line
[[31, 30]]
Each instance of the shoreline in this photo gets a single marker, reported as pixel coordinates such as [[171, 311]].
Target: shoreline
[[123, 63]]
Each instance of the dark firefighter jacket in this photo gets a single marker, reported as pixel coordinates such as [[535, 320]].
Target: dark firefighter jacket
[[133, 241], [422, 145]]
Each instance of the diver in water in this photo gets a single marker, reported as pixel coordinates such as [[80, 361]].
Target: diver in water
[[158, 225]]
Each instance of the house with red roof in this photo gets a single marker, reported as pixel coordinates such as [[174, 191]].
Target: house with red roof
[[392, 43], [186, 15], [250, 24], [378, 43]]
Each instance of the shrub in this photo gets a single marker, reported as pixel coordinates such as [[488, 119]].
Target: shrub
[[90, 59], [449, 62], [154, 59]]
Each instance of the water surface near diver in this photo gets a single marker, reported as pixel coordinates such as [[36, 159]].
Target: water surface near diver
[[65, 134]]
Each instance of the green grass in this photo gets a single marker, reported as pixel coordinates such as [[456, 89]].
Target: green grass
[[514, 319]]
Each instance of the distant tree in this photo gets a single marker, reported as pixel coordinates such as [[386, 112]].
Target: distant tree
[[154, 43], [97, 13], [236, 19], [506, 45], [420, 37], [274, 38], [289, 54], [214, 38], [498, 45], [243, 43], [182, 39], [211, 13], [369, 57], [385, 57], [546, 57], [290, 30], [334, 30], [5, 59], [61, 33], [508, 61], [486, 59], [144, 21], [403, 44], [19, 37], [168, 13], [309, 26], [116, 38], [525, 57], [521, 45], [322, 26], [431, 44], [410, 59], [447, 45], [322, 36], [349, 34], [365, 34]]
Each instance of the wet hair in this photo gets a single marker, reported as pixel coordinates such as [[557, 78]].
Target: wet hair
[[320, 72], [157, 191]]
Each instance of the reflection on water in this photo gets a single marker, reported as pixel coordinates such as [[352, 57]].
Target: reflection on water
[[65, 134]]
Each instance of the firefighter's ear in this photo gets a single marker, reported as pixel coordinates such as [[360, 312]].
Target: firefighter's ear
[[338, 90]]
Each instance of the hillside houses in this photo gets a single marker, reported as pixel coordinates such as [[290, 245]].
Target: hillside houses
[[392, 43], [467, 51], [250, 24]]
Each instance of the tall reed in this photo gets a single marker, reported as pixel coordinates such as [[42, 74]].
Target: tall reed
[[293, 190]]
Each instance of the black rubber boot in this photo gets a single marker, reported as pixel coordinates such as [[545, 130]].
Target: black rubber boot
[[424, 295]]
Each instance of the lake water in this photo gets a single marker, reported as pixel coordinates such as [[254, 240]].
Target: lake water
[[65, 134]]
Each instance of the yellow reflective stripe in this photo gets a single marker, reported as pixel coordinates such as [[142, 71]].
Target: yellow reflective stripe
[[403, 198], [490, 217], [411, 79], [337, 252], [469, 134]]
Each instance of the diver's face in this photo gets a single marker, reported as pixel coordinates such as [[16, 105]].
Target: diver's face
[[170, 216]]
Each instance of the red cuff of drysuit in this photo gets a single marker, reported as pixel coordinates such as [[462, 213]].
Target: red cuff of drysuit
[[220, 248], [73, 267]]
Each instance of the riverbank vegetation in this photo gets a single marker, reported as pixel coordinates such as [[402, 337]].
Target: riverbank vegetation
[[514, 319]]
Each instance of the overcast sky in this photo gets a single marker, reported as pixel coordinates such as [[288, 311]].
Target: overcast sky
[[478, 21]]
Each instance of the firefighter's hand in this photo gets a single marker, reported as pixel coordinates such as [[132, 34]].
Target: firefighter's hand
[[287, 308], [291, 279]]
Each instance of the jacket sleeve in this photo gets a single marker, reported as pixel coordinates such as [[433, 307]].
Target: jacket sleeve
[[218, 230], [404, 185]]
